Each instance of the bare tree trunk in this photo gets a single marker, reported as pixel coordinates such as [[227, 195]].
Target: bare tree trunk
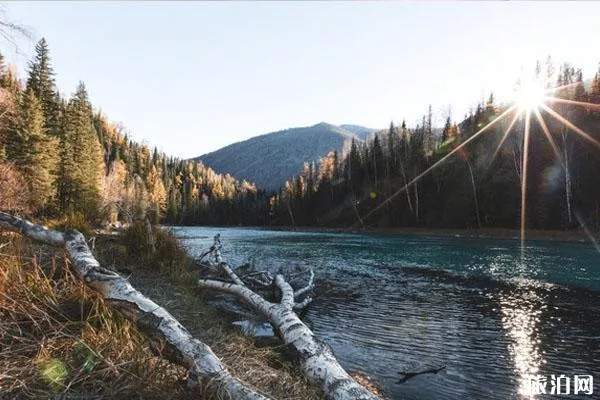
[[416, 185], [151, 248], [474, 194], [167, 336], [596, 215], [289, 208], [353, 201], [410, 207], [517, 164], [567, 169], [316, 358]]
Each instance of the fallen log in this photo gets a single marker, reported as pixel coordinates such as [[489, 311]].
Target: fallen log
[[167, 336], [316, 357], [411, 374]]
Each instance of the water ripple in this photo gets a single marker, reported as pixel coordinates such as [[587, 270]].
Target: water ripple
[[391, 304]]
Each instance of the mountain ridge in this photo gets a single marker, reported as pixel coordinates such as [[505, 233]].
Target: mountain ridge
[[272, 158]]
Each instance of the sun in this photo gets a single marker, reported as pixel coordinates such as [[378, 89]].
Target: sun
[[530, 95], [532, 101]]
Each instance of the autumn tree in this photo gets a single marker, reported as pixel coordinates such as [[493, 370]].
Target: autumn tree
[[10, 91], [157, 195]]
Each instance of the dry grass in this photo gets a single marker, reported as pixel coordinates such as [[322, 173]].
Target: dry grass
[[263, 367], [71, 220], [58, 339], [162, 251], [368, 383]]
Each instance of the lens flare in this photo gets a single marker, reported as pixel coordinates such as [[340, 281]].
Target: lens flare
[[530, 95]]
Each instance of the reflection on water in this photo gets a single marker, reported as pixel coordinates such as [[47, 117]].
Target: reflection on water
[[520, 320], [391, 304], [521, 312]]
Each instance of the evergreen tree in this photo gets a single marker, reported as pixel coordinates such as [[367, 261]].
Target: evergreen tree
[[82, 164], [579, 92], [446, 130], [391, 158], [9, 97], [377, 161], [41, 82], [33, 152], [595, 88]]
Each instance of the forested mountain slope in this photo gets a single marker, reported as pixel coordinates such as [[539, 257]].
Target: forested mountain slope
[[69, 159], [269, 160]]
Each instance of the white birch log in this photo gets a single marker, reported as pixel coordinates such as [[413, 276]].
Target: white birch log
[[316, 358], [167, 336]]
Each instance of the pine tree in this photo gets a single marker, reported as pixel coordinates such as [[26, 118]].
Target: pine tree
[[9, 97], [446, 130], [33, 152], [41, 81], [82, 165], [579, 92], [549, 72], [391, 151], [595, 89], [377, 160]]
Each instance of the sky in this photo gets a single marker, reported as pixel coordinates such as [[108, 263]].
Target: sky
[[191, 77]]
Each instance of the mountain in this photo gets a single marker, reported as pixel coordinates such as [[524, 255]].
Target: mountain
[[270, 159], [359, 131]]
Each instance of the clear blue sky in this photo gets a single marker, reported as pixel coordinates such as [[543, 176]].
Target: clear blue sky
[[192, 77]]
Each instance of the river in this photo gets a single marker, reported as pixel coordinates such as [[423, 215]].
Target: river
[[488, 312]]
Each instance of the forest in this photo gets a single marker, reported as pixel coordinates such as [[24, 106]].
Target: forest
[[76, 162], [406, 177], [77, 312]]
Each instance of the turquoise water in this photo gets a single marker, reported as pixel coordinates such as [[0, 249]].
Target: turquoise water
[[491, 314]]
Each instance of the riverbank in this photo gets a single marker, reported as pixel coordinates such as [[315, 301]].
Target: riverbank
[[60, 338], [390, 303], [496, 233]]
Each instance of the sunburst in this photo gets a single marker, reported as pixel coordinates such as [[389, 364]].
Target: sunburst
[[530, 94], [531, 97]]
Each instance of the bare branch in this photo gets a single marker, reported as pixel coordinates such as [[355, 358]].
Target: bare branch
[[287, 292], [11, 31], [234, 277], [310, 286], [258, 281], [316, 358], [155, 322], [411, 374], [303, 304]]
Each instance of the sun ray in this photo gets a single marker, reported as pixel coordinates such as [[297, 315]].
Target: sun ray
[[570, 125], [587, 232], [524, 180], [505, 136], [441, 160], [562, 87], [546, 131], [573, 102]]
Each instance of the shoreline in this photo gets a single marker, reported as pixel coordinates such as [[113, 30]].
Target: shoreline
[[578, 236]]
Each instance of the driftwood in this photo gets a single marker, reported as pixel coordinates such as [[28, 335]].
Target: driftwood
[[411, 374], [167, 336], [316, 358]]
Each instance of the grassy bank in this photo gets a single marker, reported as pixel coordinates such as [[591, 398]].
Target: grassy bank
[[59, 339]]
